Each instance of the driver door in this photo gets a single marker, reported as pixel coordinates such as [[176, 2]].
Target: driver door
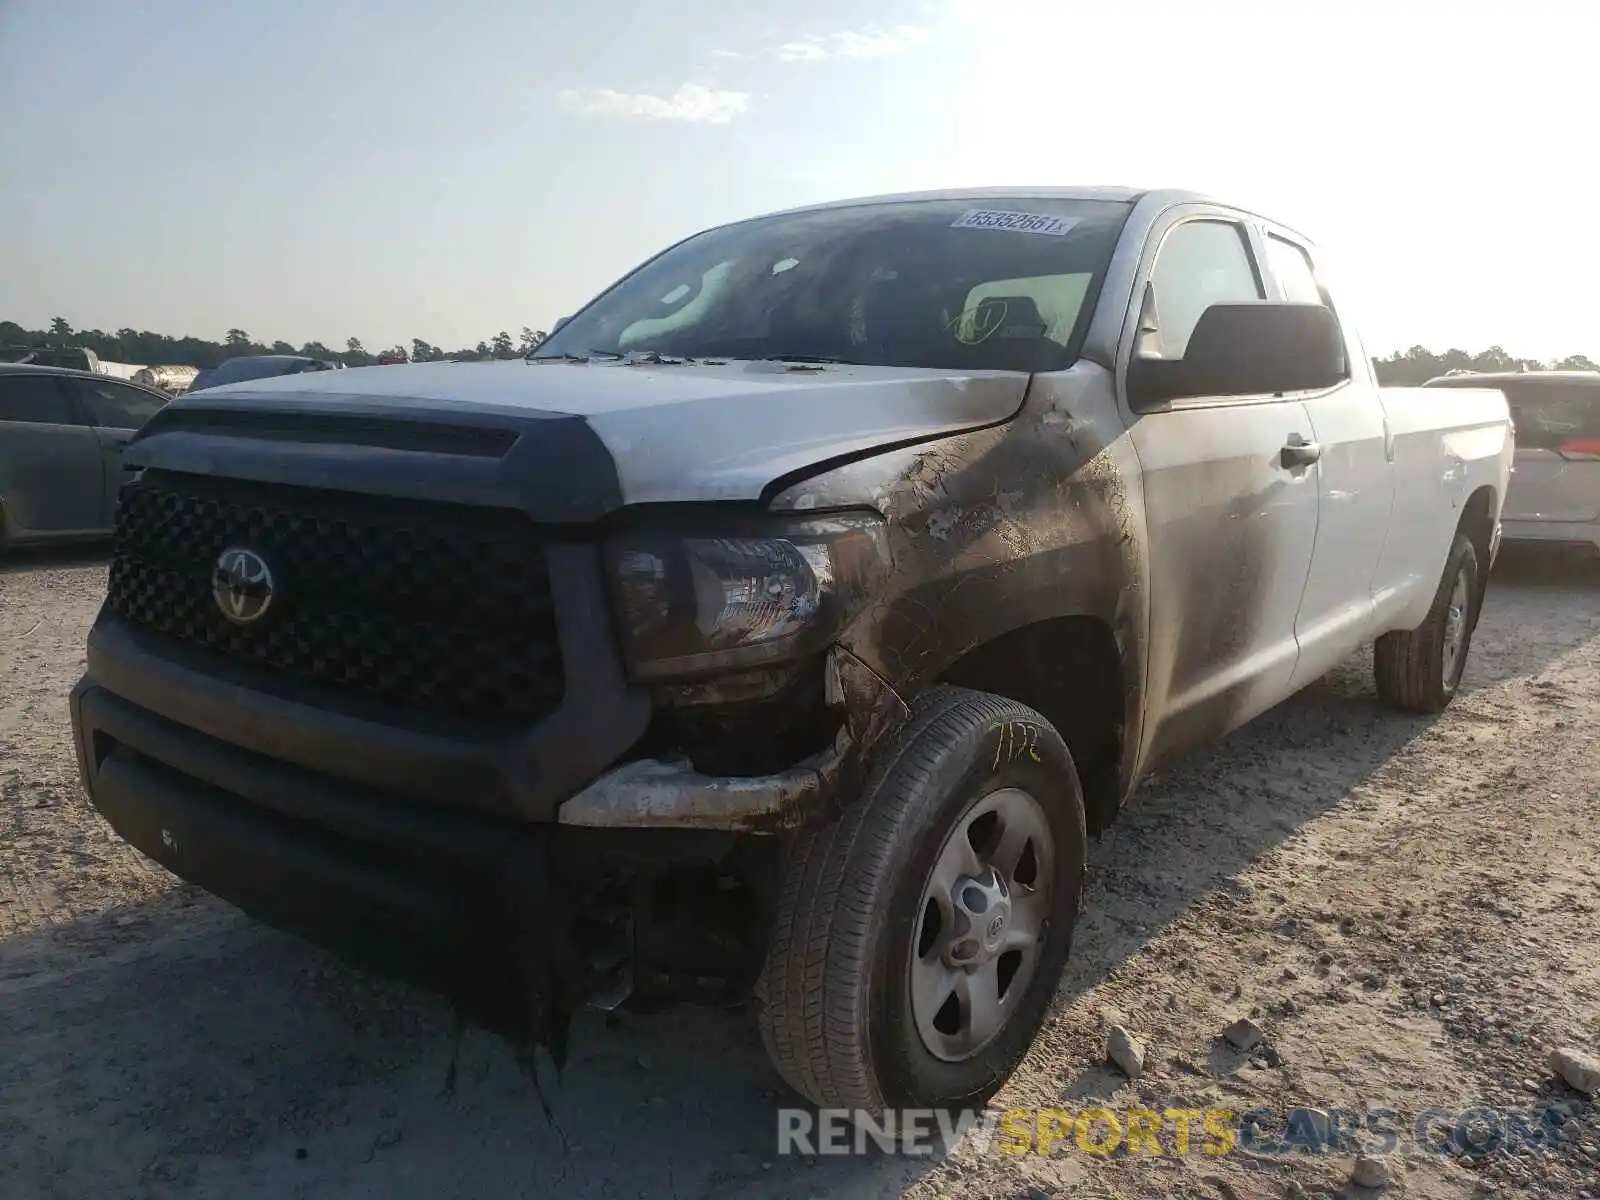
[[1230, 528]]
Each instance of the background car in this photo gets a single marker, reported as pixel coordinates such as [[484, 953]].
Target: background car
[[259, 366], [61, 438], [76, 358], [1554, 496]]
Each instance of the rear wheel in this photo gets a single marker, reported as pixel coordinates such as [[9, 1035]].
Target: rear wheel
[[920, 936], [1419, 670]]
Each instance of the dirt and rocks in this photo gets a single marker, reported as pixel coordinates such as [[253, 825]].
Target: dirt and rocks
[[1404, 910]]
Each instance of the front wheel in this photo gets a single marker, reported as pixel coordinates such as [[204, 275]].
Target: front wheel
[[920, 936], [1419, 670]]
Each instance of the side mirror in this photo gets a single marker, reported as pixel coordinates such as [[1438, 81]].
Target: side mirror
[[1252, 349], [559, 324]]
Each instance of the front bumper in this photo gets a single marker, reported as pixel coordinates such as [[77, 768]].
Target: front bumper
[[400, 886], [395, 846], [652, 794], [466, 903]]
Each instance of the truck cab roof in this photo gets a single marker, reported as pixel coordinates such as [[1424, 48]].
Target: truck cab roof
[[1160, 198]]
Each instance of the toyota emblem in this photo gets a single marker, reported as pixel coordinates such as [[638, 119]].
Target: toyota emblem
[[242, 585]]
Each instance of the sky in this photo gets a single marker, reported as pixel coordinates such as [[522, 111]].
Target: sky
[[321, 169]]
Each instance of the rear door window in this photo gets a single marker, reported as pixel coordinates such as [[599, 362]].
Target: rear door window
[[1292, 269], [35, 399], [117, 406]]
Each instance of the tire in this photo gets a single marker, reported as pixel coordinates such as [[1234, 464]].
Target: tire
[[834, 1001], [1416, 669]]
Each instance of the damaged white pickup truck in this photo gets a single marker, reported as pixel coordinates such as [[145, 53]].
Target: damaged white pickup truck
[[781, 627]]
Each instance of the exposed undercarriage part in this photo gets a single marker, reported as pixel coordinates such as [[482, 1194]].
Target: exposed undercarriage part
[[604, 919], [683, 911], [687, 925]]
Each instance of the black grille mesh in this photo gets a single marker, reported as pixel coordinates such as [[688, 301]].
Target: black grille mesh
[[440, 608]]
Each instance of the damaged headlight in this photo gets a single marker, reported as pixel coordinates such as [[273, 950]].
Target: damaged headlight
[[697, 601]]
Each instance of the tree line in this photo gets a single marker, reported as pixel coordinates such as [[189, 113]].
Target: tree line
[[1413, 367], [158, 349], [1405, 368]]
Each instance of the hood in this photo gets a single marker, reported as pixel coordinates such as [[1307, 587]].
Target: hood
[[655, 432]]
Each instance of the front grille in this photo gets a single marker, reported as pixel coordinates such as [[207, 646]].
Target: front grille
[[441, 608]]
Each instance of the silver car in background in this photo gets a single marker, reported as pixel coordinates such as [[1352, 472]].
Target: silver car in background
[[259, 366], [61, 439], [1554, 495]]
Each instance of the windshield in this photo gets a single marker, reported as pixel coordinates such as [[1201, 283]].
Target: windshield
[[958, 284]]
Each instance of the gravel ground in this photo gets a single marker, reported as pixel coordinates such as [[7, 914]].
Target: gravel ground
[[1406, 908]]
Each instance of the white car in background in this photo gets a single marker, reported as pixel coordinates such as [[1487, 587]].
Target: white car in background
[[1554, 495]]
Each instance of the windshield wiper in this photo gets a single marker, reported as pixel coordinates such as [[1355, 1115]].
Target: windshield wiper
[[568, 356], [658, 358], [747, 356], [762, 349]]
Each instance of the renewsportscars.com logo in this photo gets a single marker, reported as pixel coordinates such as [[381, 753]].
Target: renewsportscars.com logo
[[1373, 1131]]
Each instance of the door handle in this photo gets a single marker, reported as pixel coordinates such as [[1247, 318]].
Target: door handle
[[1298, 452]]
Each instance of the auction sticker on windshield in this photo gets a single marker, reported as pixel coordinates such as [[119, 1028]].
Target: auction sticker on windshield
[[1015, 222]]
